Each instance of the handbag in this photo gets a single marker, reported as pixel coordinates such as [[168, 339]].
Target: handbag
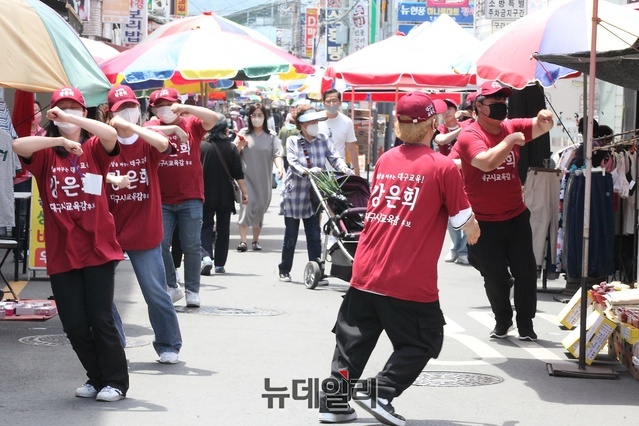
[[237, 192]]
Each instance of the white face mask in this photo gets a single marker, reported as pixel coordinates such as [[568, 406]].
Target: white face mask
[[332, 109], [257, 122], [312, 129], [166, 115], [128, 141], [69, 127], [132, 115]]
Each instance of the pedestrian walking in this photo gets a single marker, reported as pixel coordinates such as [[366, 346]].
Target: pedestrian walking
[[415, 191], [82, 250], [259, 149], [489, 152], [307, 153], [339, 128], [133, 193], [220, 163]]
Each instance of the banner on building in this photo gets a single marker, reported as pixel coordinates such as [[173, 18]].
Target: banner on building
[[82, 8], [310, 32], [360, 21], [447, 3], [135, 30], [181, 8], [498, 9], [422, 12], [115, 11]]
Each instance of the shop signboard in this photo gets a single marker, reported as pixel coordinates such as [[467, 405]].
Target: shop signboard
[[115, 11], [334, 49], [310, 31], [422, 12], [181, 8], [37, 251], [135, 30], [359, 27], [505, 9]]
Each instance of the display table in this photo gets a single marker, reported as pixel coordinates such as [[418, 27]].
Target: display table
[[7, 246]]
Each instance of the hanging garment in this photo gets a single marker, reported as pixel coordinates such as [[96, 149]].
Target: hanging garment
[[541, 195]]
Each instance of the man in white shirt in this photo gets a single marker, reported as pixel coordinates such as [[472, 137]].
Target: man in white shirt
[[339, 128]]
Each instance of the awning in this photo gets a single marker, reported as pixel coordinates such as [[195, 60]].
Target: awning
[[615, 66]]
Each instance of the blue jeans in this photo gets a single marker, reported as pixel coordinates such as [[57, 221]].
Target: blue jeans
[[313, 241], [149, 271], [459, 239], [188, 216]]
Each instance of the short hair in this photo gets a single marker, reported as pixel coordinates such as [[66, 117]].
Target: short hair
[[414, 132], [330, 92]]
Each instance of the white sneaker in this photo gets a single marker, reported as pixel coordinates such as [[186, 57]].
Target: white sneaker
[[462, 260], [192, 299], [207, 265], [168, 358], [176, 293], [450, 257], [86, 391], [178, 278], [109, 394]]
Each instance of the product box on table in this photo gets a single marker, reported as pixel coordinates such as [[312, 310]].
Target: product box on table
[[570, 314], [23, 308], [624, 351], [629, 332], [599, 328], [46, 310]]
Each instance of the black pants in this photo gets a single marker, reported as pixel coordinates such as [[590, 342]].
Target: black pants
[[176, 247], [220, 236], [504, 249], [84, 298], [416, 331]]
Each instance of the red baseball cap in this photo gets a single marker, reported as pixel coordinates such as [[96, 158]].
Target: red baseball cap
[[153, 96], [418, 106], [170, 94], [70, 93], [120, 94], [450, 103], [490, 88]]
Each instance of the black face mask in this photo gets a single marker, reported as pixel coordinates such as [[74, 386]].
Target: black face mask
[[498, 111]]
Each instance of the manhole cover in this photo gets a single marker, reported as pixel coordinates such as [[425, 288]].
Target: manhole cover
[[134, 342], [455, 379], [219, 310], [46, 340]]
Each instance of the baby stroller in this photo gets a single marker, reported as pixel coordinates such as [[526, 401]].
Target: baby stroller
[[345, 210]]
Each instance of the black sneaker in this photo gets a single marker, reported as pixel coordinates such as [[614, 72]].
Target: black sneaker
[[285, 277], [382, 410], [327, 415], [501, 330], [527, 334]]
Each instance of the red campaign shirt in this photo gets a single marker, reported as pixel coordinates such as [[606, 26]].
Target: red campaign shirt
[[181, 176], [137, 209], [495, 195], [413, 192], [79, 230], [443, 129]]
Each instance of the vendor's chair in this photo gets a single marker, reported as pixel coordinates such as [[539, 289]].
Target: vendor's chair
[[8, 246]]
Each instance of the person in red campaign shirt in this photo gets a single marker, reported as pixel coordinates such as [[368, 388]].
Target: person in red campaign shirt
[[133, 192], [415, 191], [81, 246], [489, 152], [182, 188]]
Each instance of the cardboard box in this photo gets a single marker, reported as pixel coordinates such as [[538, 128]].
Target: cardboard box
[[624, 352], [570, 314], [599, 328], [629, 333], [361, 114]]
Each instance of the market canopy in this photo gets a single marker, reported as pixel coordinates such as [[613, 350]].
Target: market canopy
[[615, 66], [420, 59], [41, 53]]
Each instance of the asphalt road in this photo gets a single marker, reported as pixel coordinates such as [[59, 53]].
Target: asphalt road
[[252, 328]]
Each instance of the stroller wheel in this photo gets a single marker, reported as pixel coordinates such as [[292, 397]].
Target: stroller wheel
[[312, 275]]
